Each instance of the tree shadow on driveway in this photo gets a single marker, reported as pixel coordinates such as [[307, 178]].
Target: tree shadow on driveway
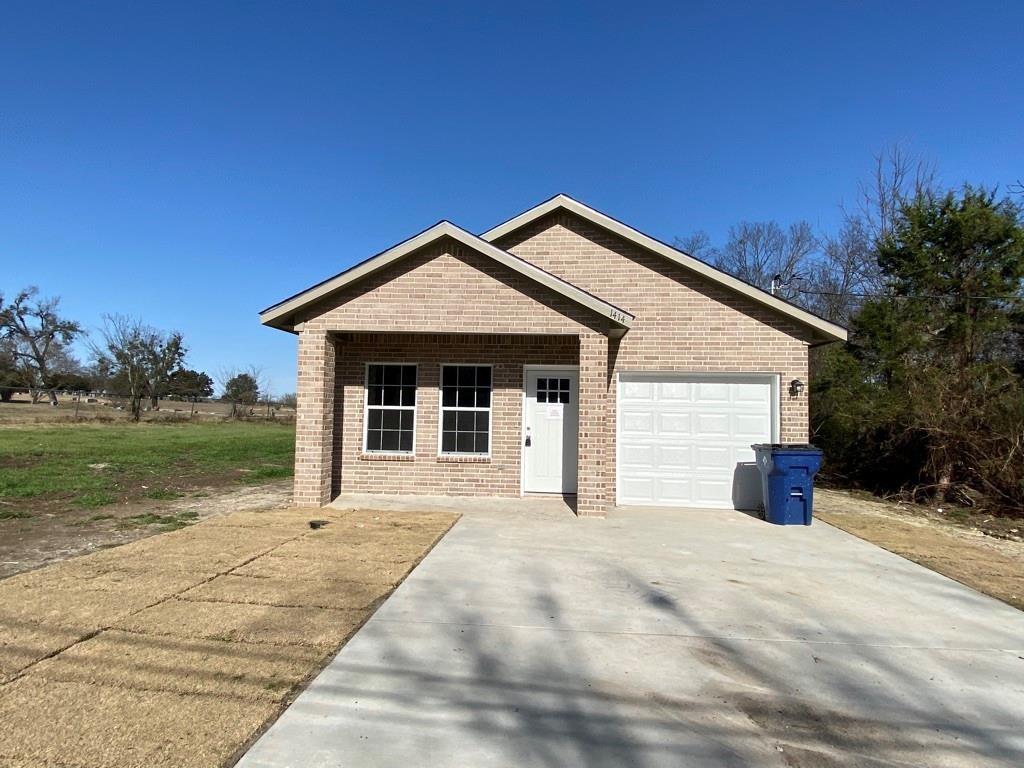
[[464, 688]]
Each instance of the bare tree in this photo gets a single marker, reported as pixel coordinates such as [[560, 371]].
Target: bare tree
[[846, 271], [40, 339], [843, 275], [165, 356], [698, 245], [139, 357], [766, 255], [123, 355], [898, 177], [831, 275]]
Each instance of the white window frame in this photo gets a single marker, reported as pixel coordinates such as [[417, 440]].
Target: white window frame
[[367, 407], [441, 408]]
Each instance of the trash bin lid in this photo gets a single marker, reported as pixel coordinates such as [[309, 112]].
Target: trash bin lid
[[785, 447]]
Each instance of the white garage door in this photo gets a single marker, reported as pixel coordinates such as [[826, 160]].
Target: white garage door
[[681, 437]]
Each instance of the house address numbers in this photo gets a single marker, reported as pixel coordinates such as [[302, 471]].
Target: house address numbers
[[618, 317]]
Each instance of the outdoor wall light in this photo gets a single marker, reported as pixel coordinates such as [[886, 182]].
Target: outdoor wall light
[[796, 387]]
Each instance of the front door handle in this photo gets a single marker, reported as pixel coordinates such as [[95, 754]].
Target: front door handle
[[527, 443]]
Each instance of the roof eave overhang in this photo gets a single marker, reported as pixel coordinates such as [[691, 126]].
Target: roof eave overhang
[[823, 331], [283, 315]]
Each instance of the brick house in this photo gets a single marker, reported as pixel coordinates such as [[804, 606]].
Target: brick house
[[560, 352]]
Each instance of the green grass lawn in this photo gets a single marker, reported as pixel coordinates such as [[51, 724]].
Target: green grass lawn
[[82, 467]]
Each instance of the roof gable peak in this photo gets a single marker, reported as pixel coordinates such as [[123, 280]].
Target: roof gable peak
[[281, 315], [825, 330]]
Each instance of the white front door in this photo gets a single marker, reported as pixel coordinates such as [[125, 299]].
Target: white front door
[[550, 430]]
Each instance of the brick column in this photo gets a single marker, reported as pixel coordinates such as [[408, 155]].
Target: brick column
[[314, 419], [593, 437]]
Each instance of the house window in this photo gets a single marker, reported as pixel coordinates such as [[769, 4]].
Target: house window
[[390, 408], [466, 409], [552, 390]]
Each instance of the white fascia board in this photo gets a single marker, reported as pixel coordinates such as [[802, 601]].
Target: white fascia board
[[618, 316], [317, 292], [830, 330]]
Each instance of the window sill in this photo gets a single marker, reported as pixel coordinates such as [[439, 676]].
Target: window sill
[[387, 457], [467, 459]]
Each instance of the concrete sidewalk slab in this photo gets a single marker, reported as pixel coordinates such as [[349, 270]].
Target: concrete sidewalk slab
[[664, 638]]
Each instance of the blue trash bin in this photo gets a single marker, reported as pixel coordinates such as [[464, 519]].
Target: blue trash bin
[[787, 481]]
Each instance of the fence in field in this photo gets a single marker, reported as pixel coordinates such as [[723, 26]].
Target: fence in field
[[19, 405]]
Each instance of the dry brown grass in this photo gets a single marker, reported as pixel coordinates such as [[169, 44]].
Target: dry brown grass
[[21, 410], [49, 722], [178, 649], [243, 622], [287, 592], [154, 663]]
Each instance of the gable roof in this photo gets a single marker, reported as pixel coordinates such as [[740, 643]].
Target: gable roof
[[281, 315], [827, 331]]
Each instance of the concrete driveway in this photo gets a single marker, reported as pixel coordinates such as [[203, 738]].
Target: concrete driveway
[[665, 638]]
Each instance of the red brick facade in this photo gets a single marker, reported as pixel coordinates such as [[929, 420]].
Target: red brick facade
[[449, 304]]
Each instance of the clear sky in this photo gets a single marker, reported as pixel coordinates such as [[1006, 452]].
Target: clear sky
[[194, 162]]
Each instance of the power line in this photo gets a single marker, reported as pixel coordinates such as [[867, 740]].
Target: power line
[[855, 294]]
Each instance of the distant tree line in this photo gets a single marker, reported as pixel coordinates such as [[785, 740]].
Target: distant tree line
[[128, 358], [927, 397]]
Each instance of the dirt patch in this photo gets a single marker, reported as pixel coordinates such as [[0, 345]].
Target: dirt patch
[[49, 537], [158, 653], [992, 565]]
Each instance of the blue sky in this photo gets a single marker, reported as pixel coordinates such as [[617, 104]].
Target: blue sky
[[192, 163]]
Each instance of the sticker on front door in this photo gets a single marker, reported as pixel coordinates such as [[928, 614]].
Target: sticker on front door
[[551, 426]]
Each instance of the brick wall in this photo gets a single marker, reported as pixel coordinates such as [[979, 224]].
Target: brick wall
[[427, 472], [594, 438], [450, 304], [683, 322], [314, 418], [450, 289], [441, 303]]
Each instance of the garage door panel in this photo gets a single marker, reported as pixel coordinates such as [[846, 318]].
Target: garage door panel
[[674, 491], [680, 392], [680, 440], [673, 457], [637, 490], [637, 423], [709, 491], [638, 390], [638, 455], [711, 458], [752, 425], [752, 394], [713, 392], [712, 425], [675, 424]]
